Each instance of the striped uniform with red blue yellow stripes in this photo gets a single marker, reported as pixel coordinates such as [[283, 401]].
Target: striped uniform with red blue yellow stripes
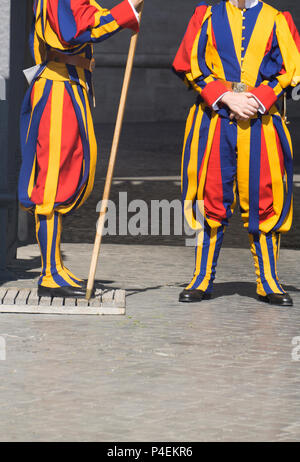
[[59, 149], [258, 46]]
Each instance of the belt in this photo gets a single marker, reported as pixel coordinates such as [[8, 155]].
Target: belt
[[73, 60], [237, 87]]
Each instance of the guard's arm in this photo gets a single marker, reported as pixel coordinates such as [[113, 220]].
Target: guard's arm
[[82, 21], [286, 45], [194, 41], [182, 62]]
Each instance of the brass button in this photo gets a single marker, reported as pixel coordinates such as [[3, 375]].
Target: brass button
[[243, 49]]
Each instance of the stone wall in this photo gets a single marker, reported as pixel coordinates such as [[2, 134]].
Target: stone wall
[[12, 52], [4, 37], [156, 94]]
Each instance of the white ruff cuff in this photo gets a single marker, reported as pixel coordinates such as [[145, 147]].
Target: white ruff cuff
[[134, 10]]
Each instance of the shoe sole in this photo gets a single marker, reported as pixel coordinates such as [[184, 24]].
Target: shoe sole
[[184, 300], [263, 299]]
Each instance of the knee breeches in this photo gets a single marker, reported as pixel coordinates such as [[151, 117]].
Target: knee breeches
[[221, 158]]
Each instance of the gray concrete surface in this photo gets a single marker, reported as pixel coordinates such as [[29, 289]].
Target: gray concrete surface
[[222, 370]]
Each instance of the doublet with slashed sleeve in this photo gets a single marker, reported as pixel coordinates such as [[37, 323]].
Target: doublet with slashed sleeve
[[57, 136], [256, 47], [228, 49]]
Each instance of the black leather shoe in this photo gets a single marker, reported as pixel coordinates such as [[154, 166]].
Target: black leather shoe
[[277, 299], [193, 295], [64, 292]]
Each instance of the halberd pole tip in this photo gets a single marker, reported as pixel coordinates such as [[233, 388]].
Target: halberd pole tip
[[88, 294]]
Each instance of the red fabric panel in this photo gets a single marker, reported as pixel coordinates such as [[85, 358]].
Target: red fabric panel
[[293, 28], [32, 95], [213, 91], [265, 95], [213, 192], [83, 13], [265, 184], [269, 44], [182, 61], [71, 156], [42, 154], [213, 38], [125, 16], [52, 16]]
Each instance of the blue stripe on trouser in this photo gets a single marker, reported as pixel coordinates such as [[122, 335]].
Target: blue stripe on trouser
[[48, 236], [273, 257], [264, 248], [254, 176], [206, 255], [265, 260], [30, 119]]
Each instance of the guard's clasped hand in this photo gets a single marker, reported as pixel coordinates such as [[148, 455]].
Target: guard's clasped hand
[[243, 106]]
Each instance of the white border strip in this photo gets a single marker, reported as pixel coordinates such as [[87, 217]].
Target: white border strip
[[167, 178], [2, 88]]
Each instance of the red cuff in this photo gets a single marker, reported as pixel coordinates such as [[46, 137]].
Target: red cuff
[[213, 91], [125, 16], [266, 96]]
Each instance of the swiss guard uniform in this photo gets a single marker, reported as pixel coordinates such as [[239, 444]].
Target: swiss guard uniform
[[252, 50], [57, 136]]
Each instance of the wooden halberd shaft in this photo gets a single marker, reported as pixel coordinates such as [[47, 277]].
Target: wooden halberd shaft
[[111, 165]]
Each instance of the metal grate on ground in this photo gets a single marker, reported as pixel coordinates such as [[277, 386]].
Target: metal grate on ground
[[26, 300]]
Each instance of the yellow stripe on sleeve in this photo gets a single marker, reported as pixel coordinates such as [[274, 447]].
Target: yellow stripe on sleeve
[[107, 28]]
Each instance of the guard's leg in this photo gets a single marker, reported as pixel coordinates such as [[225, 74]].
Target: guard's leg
[[216, 181], [261, 188], [58, 240], [265, 250], [209, 242], [48, 233]]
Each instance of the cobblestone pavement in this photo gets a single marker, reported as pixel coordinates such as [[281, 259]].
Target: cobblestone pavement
[[221, 370]]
